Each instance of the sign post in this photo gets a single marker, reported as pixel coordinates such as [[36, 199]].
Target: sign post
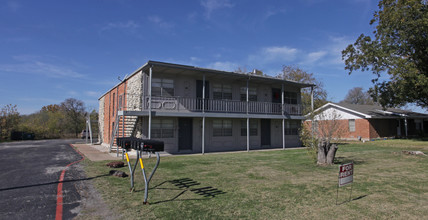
[[346, 176]]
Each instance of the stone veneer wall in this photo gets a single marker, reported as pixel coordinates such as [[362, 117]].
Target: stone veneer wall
[[101, 120], [134, 92], [134, 89]]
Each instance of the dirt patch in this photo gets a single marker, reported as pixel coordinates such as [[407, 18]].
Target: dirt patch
[[92, 205]]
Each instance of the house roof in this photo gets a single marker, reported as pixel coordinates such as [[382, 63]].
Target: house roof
[[178, 68], [375, 111]]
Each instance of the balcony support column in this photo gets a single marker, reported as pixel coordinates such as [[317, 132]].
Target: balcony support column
[[149, 132], [248, 120], [203, 116], [283, 119]]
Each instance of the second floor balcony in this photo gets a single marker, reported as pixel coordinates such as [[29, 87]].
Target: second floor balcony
[[185, 104]]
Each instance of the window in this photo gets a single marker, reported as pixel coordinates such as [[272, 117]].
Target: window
[[252, 94], [222, 128], [221, 91], [290, 98], [162, 128], [292, 127], [120, 102], [351, 125], [113, 103], [162, 87], [253, 127]]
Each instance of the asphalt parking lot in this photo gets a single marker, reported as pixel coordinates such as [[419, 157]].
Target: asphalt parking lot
[[30, 173]]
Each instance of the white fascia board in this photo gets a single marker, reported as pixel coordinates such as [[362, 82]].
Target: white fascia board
[[322, 108]]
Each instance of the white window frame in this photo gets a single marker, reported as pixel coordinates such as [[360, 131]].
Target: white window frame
[[163, 87], [162, 128], [222, 127], [351, 125], [222, 91]]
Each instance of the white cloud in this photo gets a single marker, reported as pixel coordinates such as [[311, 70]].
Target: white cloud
[[130, 25], [92, 93], [211, 5], [274, 54], [226, 66], [33, 65], [13, 6], [160, 22]]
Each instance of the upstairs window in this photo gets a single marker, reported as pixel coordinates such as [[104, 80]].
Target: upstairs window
[[162, 87], [222, 128], [290, 98], [221, 91], [162, 128], [252, 94], [253, 127], [351, 123], [114, 96]]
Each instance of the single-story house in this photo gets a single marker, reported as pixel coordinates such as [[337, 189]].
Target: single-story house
[[372, 121]]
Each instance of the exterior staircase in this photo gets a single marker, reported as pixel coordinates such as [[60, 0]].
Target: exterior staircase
[[124, 126]]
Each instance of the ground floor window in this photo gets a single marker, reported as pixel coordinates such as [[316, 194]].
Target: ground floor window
[[222, 127], [162, 128], [292, 127], [351, 125], [253, 127]]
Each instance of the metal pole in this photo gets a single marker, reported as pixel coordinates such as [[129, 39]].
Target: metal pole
[[150, 103], [283, 120], [248, 134], [203, 135], [203, 111], [248, 121], [405, 126], [312, 98], [86, 132], [90, 128]]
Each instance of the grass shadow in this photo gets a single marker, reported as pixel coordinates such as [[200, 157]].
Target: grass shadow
[[187, 185], [343, 160]]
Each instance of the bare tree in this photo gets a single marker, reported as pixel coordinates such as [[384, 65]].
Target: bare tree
[[357, 96], [320, 135]]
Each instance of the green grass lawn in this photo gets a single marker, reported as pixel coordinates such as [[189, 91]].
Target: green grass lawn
[[277, 185]]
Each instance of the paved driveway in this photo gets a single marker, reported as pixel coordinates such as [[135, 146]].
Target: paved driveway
[[29, 179]]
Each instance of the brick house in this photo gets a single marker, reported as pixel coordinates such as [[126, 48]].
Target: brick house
[[197, 110], [371, 121]]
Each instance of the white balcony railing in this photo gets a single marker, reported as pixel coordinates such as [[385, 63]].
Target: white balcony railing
[[183, 104]]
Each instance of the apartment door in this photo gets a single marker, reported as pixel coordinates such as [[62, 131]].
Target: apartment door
[[199, 88], [185, 131], [265, 132], [276, 100]]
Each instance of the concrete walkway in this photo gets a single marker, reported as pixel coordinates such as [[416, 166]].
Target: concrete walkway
[[95, 152]]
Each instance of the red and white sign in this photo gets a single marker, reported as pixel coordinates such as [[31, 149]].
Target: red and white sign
[[346, 174]]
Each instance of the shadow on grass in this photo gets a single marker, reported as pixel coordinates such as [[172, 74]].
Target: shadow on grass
[[56, 182], [354, 199], [187, 185]]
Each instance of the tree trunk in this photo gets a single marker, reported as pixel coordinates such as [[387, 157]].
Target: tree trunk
[[321, 153], [331, 154]]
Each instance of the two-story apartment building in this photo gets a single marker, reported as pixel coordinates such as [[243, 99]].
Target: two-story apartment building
[[198, 110]]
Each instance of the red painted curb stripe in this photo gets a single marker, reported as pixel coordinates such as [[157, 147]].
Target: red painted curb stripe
[[59, 196]]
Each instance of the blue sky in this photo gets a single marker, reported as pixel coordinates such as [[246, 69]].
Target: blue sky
[[53, 50]]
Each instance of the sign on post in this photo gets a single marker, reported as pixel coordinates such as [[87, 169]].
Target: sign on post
[[346, 174]]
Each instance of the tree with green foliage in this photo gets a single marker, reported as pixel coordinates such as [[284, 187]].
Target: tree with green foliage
[[298, 75], [74, 113], [9, 120], [399, 48]]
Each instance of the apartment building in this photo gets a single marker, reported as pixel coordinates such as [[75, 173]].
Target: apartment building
[[198, 110]]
